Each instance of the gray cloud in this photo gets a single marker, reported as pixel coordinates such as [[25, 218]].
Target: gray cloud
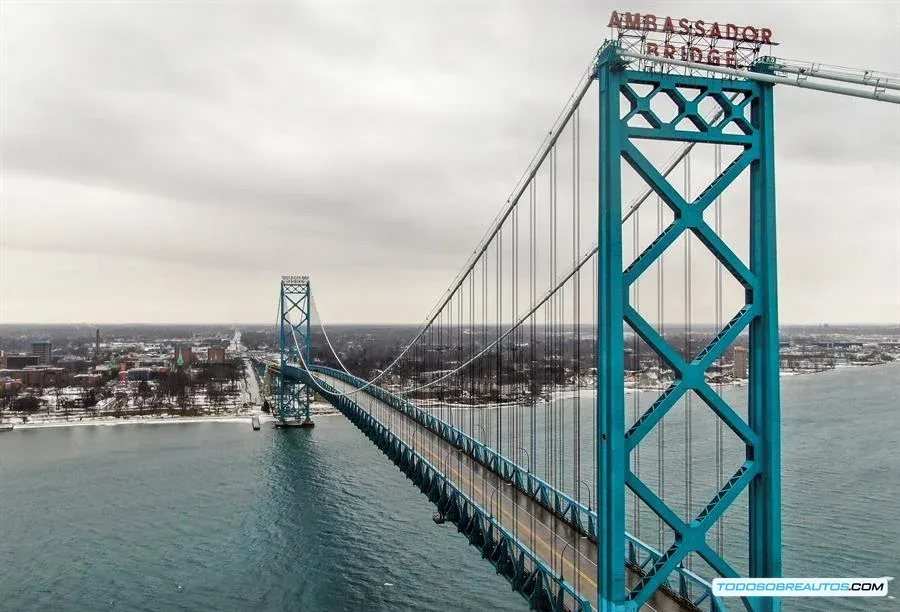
[[352, 140]]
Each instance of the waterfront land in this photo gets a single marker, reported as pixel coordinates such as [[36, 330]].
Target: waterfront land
[[73, 375], [140, 375]]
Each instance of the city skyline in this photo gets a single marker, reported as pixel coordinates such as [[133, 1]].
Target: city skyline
[[171, 175]]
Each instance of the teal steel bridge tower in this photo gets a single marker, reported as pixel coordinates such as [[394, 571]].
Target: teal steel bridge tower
[[747, 105]]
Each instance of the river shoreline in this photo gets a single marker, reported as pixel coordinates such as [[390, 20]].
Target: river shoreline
[[153, 420], [323, 410], [113, 421]]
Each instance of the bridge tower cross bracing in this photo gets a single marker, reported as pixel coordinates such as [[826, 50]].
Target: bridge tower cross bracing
[[746, 106], [294, 313]]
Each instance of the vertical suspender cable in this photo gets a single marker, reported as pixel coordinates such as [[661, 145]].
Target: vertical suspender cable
[[720, 524], [472, 395], [434, 362], [511, 355], [576, 302], [483, 370], [499, 348], [553, 313], [688, 354], [532, 265], [636, 368], [445, 355], [560, 346], [551, 344], [461, 378], [531, 340], [660, 317], [548, 338], [515, 408], [595, 353]]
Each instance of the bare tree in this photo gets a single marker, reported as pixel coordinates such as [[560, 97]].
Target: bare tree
[[143, 392]]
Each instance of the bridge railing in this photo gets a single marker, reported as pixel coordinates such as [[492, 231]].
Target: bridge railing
[[640, 554], [523, 568]]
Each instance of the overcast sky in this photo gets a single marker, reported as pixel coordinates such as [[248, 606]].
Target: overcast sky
[[168, 161]]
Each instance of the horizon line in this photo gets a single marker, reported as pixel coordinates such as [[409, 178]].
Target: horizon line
[[360, 323]]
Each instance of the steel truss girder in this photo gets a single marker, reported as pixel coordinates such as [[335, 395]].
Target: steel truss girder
[[528, 575], [640, 555], [760, 472]]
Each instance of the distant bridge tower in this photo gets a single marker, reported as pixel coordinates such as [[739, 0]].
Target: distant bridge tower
[[293, 398]]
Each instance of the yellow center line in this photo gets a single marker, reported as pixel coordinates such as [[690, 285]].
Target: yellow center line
[[473, 487], [524, 526]]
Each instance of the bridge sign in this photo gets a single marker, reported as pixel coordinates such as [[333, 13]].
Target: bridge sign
[[293, 279], [701, 42]]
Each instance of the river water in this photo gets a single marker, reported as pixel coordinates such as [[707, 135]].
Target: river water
[[216, 516]]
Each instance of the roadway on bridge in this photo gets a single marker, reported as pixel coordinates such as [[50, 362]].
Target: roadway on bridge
[[570, 554]]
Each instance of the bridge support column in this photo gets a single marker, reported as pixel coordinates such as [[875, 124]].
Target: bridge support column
[[764, 410], [610, 418]]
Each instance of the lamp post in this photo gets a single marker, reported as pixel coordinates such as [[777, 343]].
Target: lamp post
[[528, 456], [491, 503], [562, 570], [590, 497]]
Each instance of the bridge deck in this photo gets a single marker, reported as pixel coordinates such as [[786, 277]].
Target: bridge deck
[[567, 551]]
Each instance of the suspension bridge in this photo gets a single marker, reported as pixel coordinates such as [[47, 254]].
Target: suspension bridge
[[569, 404]]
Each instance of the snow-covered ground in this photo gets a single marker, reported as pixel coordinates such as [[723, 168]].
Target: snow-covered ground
[[38, 423], [249, 393], [250, 386]]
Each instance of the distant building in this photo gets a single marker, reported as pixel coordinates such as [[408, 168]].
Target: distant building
[[154, 361], [138, 374], [126, 363], [44, 376], [42, 350], [106, 371], [13, 374], [73, 365], [17, 362], [831, 344], [183, 356], [87, 380], [215, 355], [9, 384], [632, 361], [741, 362], [159, 371]]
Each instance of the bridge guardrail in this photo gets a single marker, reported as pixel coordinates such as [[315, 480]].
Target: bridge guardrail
[[640, 554], [494, 541]]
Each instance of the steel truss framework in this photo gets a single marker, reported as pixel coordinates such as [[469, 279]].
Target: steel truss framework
[[294, 332], [639, 556], [524, 570], [759, 474]]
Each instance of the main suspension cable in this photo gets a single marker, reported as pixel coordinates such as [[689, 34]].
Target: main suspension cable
[[544, 151]]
